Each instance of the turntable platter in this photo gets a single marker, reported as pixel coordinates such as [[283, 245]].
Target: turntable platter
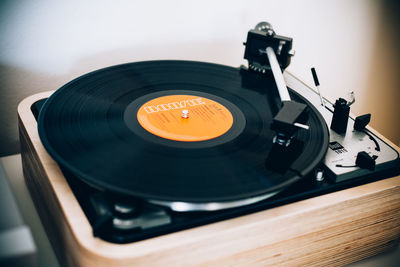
[[121, 129]]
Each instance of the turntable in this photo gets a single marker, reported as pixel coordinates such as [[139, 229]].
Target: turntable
[[192, 163]]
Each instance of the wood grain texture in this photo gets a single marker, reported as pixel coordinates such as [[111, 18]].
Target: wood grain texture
[[329, 230]]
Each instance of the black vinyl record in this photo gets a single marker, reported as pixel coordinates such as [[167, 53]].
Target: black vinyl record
[[90, 127]]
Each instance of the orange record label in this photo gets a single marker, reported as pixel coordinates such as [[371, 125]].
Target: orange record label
[[187, 118]]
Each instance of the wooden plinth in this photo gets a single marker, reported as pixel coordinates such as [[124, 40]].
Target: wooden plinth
[[333, 229]]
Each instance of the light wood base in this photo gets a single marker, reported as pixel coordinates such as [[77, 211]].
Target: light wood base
[[333, 229]]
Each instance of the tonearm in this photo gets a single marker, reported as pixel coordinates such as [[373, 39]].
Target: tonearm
[[267, 51]]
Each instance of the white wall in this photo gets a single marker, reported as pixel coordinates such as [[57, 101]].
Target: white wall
[[53, 37], [44, 44]]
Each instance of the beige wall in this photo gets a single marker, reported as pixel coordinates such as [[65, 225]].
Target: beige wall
[[45, 44], [382, 91]]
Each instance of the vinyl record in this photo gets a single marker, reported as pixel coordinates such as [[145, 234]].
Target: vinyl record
[[121, 129]]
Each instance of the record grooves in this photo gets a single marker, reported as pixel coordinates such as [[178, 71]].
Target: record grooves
[[89, 127]]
